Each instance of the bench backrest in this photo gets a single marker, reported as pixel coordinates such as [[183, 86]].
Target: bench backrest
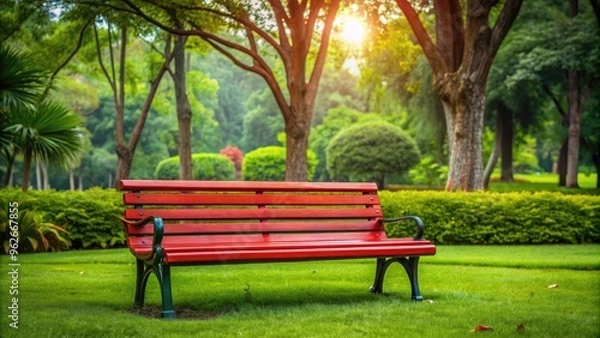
[[253, 210]]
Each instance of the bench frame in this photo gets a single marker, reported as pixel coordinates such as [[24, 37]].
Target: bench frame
[[155, 262]]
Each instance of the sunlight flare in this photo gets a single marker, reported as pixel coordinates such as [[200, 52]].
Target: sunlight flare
[[353, 30]]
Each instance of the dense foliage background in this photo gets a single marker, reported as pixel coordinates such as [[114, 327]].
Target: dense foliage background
[[383, 77]]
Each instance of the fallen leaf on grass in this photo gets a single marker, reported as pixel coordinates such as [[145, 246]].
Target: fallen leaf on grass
[[480, 328], [521, 328], [552, 286]]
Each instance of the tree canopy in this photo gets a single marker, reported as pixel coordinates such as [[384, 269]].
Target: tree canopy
[[251, 71]]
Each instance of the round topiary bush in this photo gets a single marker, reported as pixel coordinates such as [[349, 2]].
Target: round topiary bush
[[167, 169], [205, 166], [370, 152], [268, 164]]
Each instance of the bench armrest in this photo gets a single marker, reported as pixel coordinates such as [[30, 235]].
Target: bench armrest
[[417, 220], [157, 235]]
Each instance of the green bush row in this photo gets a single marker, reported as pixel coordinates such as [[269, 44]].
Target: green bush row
[[90, 216], [205, 166], [268, 164], [496, 218]]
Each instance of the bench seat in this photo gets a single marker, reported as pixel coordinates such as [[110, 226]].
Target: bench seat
[[235, 252], [174, 223]]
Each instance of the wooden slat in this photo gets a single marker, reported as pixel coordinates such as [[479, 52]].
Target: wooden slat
[[258, 238], [245, 199], [238, 214], [276, 255], [180, 185], [270, 245], [281, 251], [216, 228]]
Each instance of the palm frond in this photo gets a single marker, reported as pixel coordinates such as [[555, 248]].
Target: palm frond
[[51, 132], [20, 81]]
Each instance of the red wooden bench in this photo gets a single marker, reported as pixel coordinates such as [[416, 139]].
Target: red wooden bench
[[173, 223]]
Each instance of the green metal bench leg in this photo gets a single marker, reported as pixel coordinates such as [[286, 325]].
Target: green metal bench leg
[[163, 272], [410, 265], [380, 269], [140, 284]]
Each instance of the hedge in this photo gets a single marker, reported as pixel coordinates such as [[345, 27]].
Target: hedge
[[205, 166], [90, 216], [496, 218], [268, 164]]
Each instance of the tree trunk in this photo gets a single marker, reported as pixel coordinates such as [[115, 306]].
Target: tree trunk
[[507, 129], [124, 160], [38, 175], [46, 177], [574, 131], [9, 171], [80, 178], [562, 164], [124, 156], [27, 158], [184, 111], [574, 117], [71, 179], [11, 179], [491, 164], [489, 167], [296, 149], [596, 161], [466, 100]]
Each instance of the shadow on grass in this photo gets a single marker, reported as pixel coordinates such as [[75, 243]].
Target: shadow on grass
[[183, 313], [187, 311]]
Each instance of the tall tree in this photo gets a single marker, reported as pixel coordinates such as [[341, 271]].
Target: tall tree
[[579, 91], [298, 32], [575, 111], [563, 60], [184, 110], [467, 40], [115, 74], [516, 106]]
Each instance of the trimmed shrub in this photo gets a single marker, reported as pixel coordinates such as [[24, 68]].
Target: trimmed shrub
[[213, 167], [268, 164], [167, 169], [371, 151], [26, 230], [89, 217], [236, 156], [205, 166], [496, 218]]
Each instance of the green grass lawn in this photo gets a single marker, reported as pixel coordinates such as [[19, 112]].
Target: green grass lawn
[[542, 181], [89, 294]]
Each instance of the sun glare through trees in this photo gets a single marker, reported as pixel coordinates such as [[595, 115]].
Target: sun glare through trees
[[352, 32]]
